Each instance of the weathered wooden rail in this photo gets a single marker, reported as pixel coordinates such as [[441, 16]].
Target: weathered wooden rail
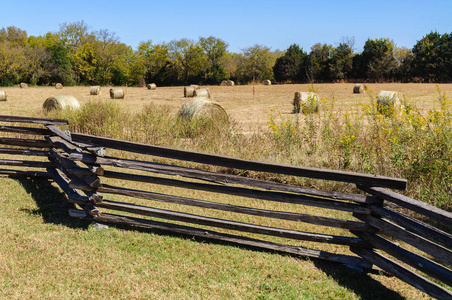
[[78, 165]]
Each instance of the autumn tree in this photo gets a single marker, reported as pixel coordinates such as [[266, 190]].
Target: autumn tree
[[12, 62], [256, 64], [14, 36], [106, 52], [158, 67], [188, 60]]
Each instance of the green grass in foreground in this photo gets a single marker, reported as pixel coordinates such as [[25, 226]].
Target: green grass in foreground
[[44, 254]]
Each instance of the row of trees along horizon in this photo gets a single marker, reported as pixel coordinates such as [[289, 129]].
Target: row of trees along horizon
[[77, 56]]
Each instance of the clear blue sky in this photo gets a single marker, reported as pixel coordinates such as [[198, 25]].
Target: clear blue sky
[[276, 24]]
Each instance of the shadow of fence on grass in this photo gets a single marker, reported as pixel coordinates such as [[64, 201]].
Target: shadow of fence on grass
[[51, 202], [53, 207], [362, 284]]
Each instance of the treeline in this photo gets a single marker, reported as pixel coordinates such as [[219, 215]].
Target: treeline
[[77, 56]]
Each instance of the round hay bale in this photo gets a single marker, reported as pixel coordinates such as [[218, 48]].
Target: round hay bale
[[117, 93], [230, 83], [306, 102], [224, 83], [23, 85], [188, 91], [94, 90], [266, 82], [388, 102], [58, 86], [151, 86], [202, 108], [61, 102], [204, 92], [358, 88], [2, 96]]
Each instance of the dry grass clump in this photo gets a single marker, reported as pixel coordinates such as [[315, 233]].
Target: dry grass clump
[[117, 93], [151, 86], [60, 102], [358, 88], [2, 96], [23, 85], [306, 102], [266, 82], [94, 90], [204, 92], [58, 86]]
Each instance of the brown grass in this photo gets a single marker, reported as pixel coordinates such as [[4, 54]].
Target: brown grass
[[251, 113]]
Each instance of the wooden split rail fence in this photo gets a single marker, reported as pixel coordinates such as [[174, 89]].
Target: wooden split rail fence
[[78, 164]]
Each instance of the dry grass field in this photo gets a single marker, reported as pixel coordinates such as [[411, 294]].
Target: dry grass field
[[247, 105], [46, 255]]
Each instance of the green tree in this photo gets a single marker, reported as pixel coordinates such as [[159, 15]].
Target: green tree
[[378, 59], [291, 67], [188, 60], [432, 57], [158, 66], [74, 35], [215, 50], [404, 58], [231, 64], [106, 52], [319, 62], [341, 63], [256, 64], [60, 65], [35, 64]]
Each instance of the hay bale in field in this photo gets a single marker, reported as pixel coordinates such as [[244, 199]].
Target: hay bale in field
[[358, 88], [58, 86], [224, 83], [151, 86], [204, 92], [117, 93], [201, 107], [230, 83], [388, 102], [61, 102], [306, 102], [94, 90], [23, 85], [266, 82], [2, 96], [189, 91]]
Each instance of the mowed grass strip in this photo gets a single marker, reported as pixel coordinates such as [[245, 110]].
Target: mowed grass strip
[[47, 255]]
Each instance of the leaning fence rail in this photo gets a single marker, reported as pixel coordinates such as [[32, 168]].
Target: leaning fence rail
[[78, 164]]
